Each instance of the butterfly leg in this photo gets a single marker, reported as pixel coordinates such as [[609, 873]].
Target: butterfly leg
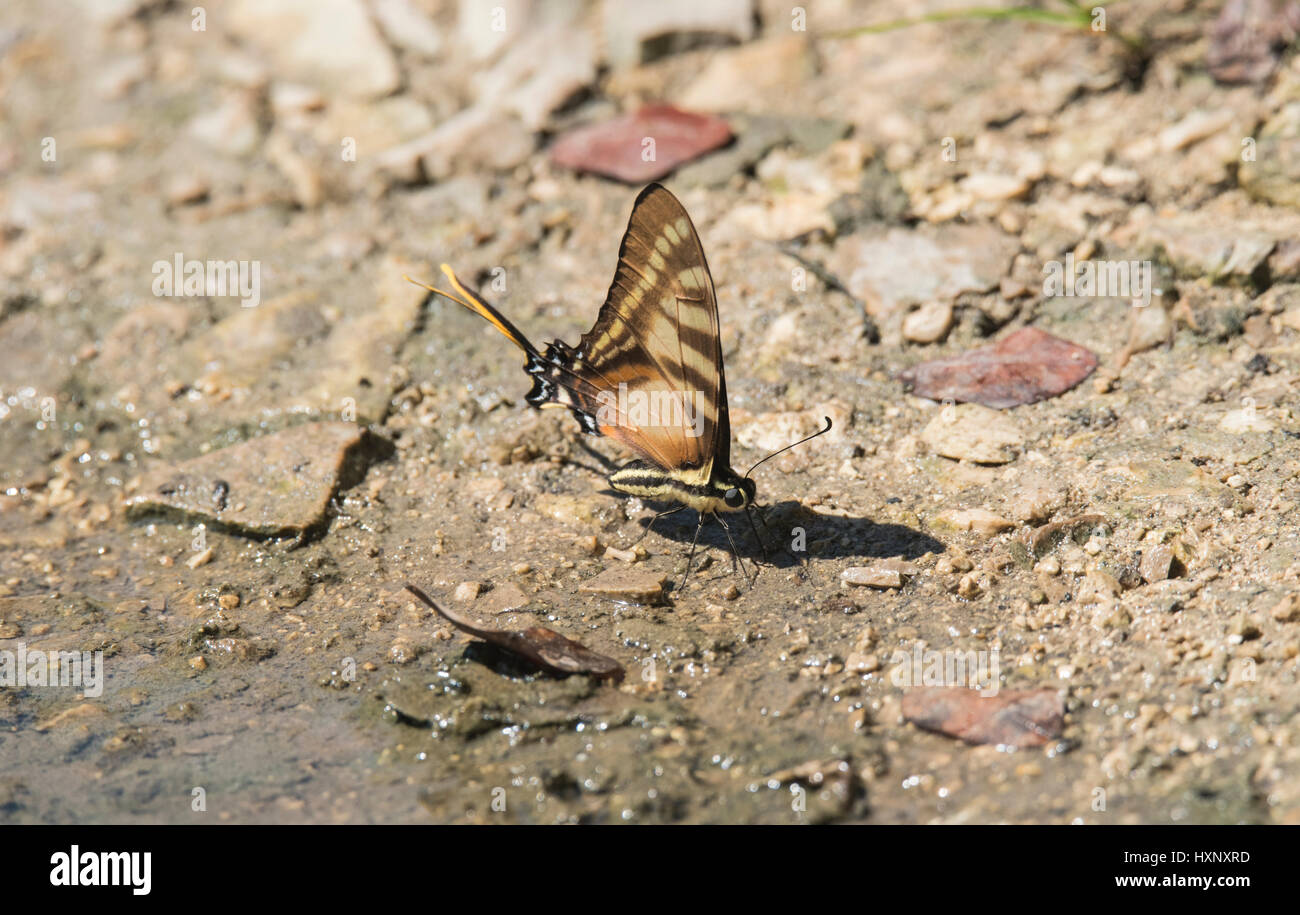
[[691, 555], [761, 543], [658, 515], [737, 564]]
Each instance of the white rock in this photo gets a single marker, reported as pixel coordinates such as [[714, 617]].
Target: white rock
[[200, 559], [1150, 326], [292, 98], [890, 268], [1117, 178], [1247, 419], [407, 27], [331, 44], [751, 77], [971, 432], [1195, 127], [872, 577], [485, 28], [376, 126], [929, 323], [988, 186], [231, 127]]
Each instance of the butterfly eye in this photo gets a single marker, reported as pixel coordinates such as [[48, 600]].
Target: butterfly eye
[[734, 498]]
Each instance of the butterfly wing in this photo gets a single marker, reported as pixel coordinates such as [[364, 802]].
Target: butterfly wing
[[655, 341], [649, 372]]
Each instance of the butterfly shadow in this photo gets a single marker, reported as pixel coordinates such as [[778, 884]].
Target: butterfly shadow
[[792, 534]]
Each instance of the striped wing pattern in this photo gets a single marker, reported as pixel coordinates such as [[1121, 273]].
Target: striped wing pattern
[[655, 341]]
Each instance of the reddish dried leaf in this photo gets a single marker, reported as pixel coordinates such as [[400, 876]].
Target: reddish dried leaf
[[1025, 367], [1248, 38], [544, 647], [617, 148], [1013, 718]]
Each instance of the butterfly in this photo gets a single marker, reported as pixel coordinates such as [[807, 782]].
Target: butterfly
[[649, 373]]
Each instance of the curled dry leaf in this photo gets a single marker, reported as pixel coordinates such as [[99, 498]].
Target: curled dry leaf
[[1012, 718], [641, 147], [544, 647], [1026, 366]]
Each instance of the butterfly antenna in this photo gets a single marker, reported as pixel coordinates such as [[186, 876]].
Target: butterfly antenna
[[788, 447]]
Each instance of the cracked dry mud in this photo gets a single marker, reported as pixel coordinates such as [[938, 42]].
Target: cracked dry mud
[[228, 502]]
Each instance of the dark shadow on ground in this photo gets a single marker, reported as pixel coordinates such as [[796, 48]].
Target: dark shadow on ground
[[789, 524]]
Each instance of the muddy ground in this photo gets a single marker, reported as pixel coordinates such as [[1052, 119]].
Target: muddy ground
[[888, 199]]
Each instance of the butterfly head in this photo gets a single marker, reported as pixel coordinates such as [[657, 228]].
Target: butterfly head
[[736, 492]]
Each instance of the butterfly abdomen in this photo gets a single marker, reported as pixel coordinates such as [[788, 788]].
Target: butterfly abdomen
[[557, 380], [644, 480]]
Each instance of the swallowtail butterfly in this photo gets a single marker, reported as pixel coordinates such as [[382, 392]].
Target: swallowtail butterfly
[[649, 372]]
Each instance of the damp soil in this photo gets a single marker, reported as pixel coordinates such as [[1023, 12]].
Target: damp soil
[[293, 679]]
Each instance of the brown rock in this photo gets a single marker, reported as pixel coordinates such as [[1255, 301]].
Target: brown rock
[[1159, 563], [275, 485], [873, 577], [1287, 610], [977, 520], [1016, 718], [629, 584]]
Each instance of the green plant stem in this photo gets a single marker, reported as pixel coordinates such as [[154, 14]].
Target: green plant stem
[[1080, 18]]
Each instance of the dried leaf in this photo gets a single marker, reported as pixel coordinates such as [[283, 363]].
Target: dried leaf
[[1027, 366], [544, 647], [641, 147], [1013, 718]]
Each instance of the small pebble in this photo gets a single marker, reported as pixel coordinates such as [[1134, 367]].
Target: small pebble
[[199, 559], [872, 577], [862, 662], [969, 587], [1287, 610]]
